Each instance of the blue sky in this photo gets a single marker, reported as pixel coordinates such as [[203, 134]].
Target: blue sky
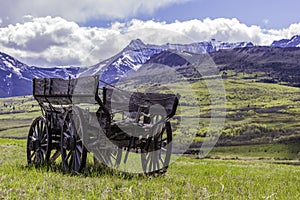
[[277, 13], [76, 32], [265, 13]]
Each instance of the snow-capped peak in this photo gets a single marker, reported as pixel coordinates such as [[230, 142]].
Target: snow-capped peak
[[136, 44], [10, 64], [293, 42]]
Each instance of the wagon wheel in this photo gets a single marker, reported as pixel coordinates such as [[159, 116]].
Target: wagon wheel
[[110, 157], [73, 151], [156, 155], [38, 142]]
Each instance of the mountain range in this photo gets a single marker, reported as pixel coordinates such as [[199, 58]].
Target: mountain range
[[293, 42], [17, 77]]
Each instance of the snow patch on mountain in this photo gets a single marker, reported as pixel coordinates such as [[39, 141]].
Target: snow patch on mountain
[[137, 53]]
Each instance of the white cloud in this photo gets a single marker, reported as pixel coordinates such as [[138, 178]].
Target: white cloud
[[80, 11], [50, 40], [56, 41]]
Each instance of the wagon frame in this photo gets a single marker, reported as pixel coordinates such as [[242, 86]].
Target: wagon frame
[[123, 122]]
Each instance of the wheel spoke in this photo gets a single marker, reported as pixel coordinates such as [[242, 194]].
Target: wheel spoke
[[44, 145], [150, 164], [157, 160], [35, 134], [38, 157], [77, 160], [35, 157], [113, 156], [108, 158], [161, 159], [154, 161], [41, 131], [147, 158], [31, 138], [68, 156], [43, 151], [71, 161], [66, 134], [31, 156], [163, 149], [79, 148], [118, 157], [38, 129], [44, 138]]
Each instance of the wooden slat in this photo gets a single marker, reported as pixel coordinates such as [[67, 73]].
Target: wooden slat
[[61, 91]]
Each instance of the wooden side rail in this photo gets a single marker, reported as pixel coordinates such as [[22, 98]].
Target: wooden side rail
[[58, 91]]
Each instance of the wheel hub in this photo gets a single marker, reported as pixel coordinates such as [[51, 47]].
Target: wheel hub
[[34, 144], [69, 143], [72, 143]]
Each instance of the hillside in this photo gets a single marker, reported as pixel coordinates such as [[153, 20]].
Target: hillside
[[262, 104], [267, 64]]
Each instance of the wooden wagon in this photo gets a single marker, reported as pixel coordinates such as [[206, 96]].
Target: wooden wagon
[[75, 121]]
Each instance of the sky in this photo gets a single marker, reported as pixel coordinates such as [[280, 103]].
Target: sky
[[82, 33]]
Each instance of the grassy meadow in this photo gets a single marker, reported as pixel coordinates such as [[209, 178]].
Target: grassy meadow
[[187, 178], [257, 156]]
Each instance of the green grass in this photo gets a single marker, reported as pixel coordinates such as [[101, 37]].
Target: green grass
[[18, 133], [186, 178], [289, 151]]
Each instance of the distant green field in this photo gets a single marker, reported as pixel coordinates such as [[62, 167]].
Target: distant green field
[[187, 178], [16, 115]]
